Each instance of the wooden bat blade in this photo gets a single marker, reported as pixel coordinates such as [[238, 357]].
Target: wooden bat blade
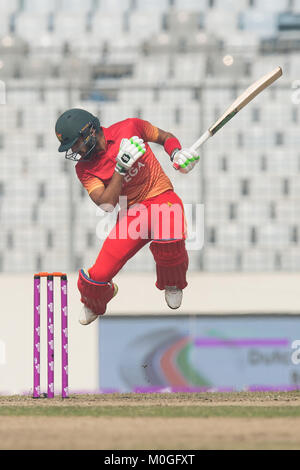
[[245, 98]]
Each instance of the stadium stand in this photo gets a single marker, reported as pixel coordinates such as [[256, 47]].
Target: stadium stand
[[106, 56]]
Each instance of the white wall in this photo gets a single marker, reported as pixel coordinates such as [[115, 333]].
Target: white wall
[[212, 293], [206, 293]]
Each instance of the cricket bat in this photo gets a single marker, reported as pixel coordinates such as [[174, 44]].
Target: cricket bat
[[237, 105]]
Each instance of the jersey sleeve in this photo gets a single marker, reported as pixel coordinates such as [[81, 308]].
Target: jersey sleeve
[[146, 130], [89, 182]]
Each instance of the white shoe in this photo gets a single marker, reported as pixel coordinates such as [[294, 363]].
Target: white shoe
[[87, 316], [173, 296]]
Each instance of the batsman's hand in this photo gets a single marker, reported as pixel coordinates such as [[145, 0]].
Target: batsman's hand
[[130, 151], [184, 160]]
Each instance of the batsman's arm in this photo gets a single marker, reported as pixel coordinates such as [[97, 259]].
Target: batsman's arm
[[153, 134], [108, 197], [150, 133], [170, 142], [129, 152], [183, 160], [162, 137]]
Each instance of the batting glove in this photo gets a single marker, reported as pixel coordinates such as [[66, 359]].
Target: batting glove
[[130, 151], [184, 160]]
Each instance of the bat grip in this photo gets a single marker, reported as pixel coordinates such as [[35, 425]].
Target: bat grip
[[196, 145], [201, 141]]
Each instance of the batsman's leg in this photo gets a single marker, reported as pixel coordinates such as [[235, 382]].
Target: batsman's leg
[[171, 264], [95, 296], [171, 268], [168, 247], [95, 285]]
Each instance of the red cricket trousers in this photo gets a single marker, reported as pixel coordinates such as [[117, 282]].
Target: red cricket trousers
[[159, 220]]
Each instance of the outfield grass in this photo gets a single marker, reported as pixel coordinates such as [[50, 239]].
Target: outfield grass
[[155, 411], [242, 420]]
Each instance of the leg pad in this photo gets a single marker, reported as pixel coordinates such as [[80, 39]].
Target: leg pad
[[95, 295], [171, 264]]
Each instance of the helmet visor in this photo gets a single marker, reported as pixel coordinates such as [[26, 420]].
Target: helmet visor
[[65, 146], [76, 155]]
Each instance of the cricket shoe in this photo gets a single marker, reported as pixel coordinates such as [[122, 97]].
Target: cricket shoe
[[87, 316], [173, 296]]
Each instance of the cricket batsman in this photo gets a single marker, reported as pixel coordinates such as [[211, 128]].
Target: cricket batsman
[[117, 161]]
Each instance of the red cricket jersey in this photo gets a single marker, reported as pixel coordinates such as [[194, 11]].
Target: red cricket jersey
[[144, 180]]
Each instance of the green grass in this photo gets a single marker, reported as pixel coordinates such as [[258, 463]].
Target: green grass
[[155, 411]]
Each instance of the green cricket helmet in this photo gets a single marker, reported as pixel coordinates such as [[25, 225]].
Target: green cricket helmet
[[72, 125]]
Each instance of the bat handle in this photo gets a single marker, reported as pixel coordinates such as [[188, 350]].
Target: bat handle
[[196, 145], [201, 141]]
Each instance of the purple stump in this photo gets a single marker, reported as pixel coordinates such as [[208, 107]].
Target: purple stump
[[36, 336], [64, 336], [50, 335]]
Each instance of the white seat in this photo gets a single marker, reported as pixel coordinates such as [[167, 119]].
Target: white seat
[[294, 187], [290, 259], [9, 7], [180, 96], [288, 211], [110, 113], [193, 5], [284, 164], [135, 96], [219, 259], [258, 259], [222, 187], [218, 18], [140, 26], [17, 147], [30, 26], [191, 193], [147, 72], [4, 24], [215, 214], [152, 5], [104, 24], [15, 214], [270, 6], [231, 6], [75, 6], [187, 70], [38, 7], [264, 24], [234, 235], [262, 186], [113, 6], [253, 212], [296, 6], [70, 27], [274, 235], [50, 217], [20, 99]]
